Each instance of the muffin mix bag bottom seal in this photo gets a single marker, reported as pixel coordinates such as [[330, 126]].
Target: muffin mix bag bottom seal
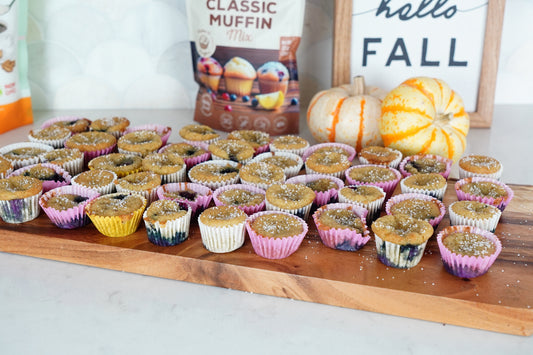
[[244, 60]]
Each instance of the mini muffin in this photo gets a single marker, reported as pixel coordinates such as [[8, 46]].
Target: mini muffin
[[431, 184], [139, 143], [92, 144], [69, 159], [380, 156], [292, 198], [215, 174], [342, 148], [261, 174], [65, 206], [144, 183], [163, 131], [486, 190], [474, 213], [367, 196], [289, 143], [222, 228], [114, 125], [170, 166], [273, 77], [167, 222], [194, 195], [51, 175], [250, 199], [467, 251], [369, 174], [101, 181], [425, 164], [328, 163], [195, 134], [480, 165], [53, 135], [190, 154], [230, 149], [418, 206], [239, 76], [275, 234], [326, 187], [117, 214], [401, 240], [24, 153], [19, 198], [342, 226], [119, 163], [257, 139], [209, 72], [6, 167], [290, 163], [74, 124]]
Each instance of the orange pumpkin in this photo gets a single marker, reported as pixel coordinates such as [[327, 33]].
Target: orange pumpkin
[[347, 114], [424, 115]]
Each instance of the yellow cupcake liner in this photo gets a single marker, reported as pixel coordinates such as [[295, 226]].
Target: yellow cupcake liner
[[118, 226]]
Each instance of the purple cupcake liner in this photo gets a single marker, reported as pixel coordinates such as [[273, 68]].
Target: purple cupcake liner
[[446, 161], [414, 196], [19, 163], [321, 197], [342, 239], [465, 266], [20, 210], [249, 210], [347, 148], [274, 248], [500, 202], [387, 186], [163, 131], [203, 198], [73, 217], [48, 184]]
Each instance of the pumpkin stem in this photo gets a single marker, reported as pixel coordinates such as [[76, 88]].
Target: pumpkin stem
[[358, 86]]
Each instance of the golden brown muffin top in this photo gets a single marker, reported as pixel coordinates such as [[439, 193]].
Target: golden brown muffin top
[[50, 133], [430, 181], [327, 162], [262, 173], [379, 155], [321, 184], [95, 178], [112, 124], [241, 197], [195, 132], [484, 189], [163, 211], [402, 229], [63, 202], [212, 171], [141, 181], [222, 216], [185, 150], [289, 142], [474, 209], [88, 141], [255, 138], [370, 174], [61, 156], [480, 164], [117, 204], [163, 163], [277, 225], [18, 187], [290, 196], [340, 218], [417, 208], [424, 165], [230, 149], [119, 163], [75, 125], [467, 243], [362, 193]]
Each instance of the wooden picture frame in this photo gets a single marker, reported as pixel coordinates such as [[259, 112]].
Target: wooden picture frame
[[482, 116]]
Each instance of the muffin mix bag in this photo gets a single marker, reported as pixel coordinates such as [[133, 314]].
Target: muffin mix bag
[[244, 59], [15, 102]]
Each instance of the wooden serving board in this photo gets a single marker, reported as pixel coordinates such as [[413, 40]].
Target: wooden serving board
[[501, 300]]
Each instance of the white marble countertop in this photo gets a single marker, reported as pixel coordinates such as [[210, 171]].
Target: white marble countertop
[[49, 307]]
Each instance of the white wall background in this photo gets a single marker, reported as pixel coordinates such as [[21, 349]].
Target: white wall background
[[112, 54]]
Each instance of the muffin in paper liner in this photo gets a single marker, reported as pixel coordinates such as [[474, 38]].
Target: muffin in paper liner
[[90, 155], [171, 232], [349, 150], [489, 223], [248, 209], [289, 171], [393, 163], [101, 189], [415, 196], [500, 202], [21, 161], [464, 173], [299, 209], [300, 212], [54, 136], [261, 174], [465, 266], [437, 193], [150, 195], [409, 159], [76, 124], [345, 238], [215, 184], [6, 167], [69, 159], [223, 238], [47, 184], [198, 203], [373, 207], [322, 197], [275, 248], [163, 131], [387, 186], [120, 225], [287, 144], [20, 210], [193, 160], [73, 217]]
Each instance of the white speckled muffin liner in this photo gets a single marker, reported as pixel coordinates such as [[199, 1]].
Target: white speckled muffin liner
[[374, 207], [73, 217], [289, 171], [163, 131], [466, 174], [437, 193], [321, 197], [170, 233], [414, 196], [213, 185], [347, 148], [191, 161], [501, 202], [102, 190], [488, 224], [399, 256], [393, 164], [274, 248], [387, 186], [446, 161], [249, 210], [19, 163], [222, 239], [467, 266], [342, 239], [20, 210], [47, 184], [203, 198], [56, 143]]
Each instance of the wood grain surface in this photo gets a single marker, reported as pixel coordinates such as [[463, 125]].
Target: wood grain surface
[[500, 300]]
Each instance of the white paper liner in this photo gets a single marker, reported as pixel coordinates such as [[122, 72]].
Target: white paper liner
[[222, 239], [19, 163], [170, 233], [321, 197], [299, 151], [73, 167], [387, 186], [501, 203], [437, 193], [415, 196], [102, 190], [299, 212], [399, 256], [56, 143], [20, 210], [488, 224], [466, 174], [350, 151], [446, 161], [150, 195], [203, 198], [289, 171], [213, 185], [337, 174], [47, 184], [393, 164], [373, 207], [249, 210]]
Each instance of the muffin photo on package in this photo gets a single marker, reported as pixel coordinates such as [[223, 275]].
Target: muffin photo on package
[[244, 61]]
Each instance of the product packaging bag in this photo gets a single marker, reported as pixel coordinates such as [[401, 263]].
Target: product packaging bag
[[244, 60], [15, 101]]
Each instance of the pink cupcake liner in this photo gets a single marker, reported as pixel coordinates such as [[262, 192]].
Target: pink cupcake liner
[[249, 210], [47, 184], [191, 161], [73, 217], [465, 266], [289, 171], [274, 248], [19, 163], [414, 196], [488, 224], [500, 202], [55, 120], [349, 149], [91, 154], [393, 164], [444, 160], [437, 193], [342, 239], [203, 198], [262, 149], [321, 197], [387, 186], [20, 210], [163, 131], [374, 207]]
